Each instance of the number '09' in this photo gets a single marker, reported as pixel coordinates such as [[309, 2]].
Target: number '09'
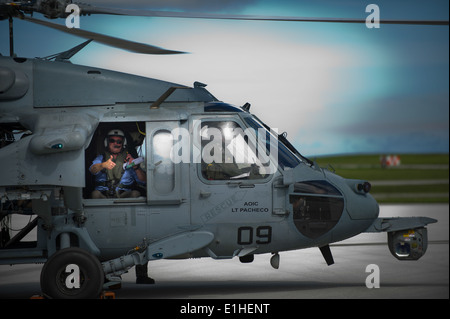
[[263, 235]]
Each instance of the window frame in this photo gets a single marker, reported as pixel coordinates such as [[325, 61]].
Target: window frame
[[239, 123]]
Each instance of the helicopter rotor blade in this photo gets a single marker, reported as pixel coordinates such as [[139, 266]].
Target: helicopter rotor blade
[[88, 9], [105, 39]]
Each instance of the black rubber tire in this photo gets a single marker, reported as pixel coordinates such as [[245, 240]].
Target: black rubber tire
[[54, 276]]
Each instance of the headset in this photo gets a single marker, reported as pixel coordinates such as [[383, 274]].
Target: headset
[[115, 132]]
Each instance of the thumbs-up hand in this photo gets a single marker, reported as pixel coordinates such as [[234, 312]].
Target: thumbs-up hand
[[109, 164]]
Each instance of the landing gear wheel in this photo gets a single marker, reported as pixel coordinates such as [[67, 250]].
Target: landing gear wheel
[[72, 273]]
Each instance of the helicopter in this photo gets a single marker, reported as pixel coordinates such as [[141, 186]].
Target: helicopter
[[220, 182]]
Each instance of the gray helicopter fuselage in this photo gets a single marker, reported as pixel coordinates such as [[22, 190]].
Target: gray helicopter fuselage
[[285, 203]]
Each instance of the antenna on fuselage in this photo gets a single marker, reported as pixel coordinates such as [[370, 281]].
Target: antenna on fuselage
[[66, 55]]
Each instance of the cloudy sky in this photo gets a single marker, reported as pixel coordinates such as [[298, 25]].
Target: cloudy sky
[[334, 88]]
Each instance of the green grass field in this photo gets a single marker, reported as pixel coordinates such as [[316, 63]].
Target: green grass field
[[420, 178]]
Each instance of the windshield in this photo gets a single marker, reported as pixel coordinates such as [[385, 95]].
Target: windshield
[[286, 157], [231, 153]]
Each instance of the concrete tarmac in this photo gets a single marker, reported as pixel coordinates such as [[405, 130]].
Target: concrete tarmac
[[303, 274]]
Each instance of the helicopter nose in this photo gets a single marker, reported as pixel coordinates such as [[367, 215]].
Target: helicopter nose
[[360, 204]]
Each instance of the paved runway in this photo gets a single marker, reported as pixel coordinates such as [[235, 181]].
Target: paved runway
[[302, 273]]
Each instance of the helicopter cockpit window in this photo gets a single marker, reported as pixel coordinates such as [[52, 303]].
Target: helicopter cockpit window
[[228, 153], [163, 178], [285, 157]]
